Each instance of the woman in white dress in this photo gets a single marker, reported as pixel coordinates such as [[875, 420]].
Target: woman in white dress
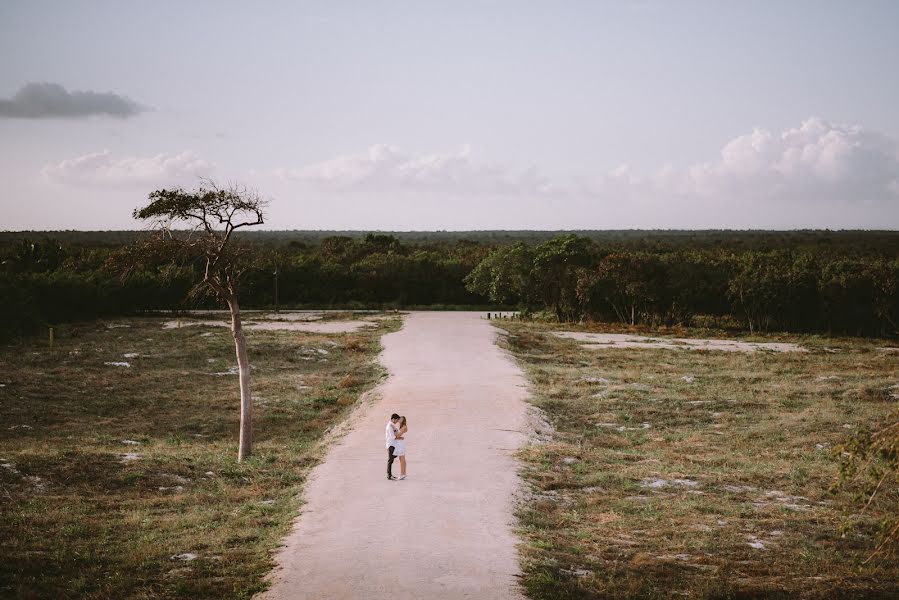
[[399, 449]]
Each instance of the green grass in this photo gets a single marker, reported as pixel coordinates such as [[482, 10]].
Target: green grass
[[655, 486], [77, 521]]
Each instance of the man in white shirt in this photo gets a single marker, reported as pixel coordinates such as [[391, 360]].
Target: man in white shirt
[[391, 437]]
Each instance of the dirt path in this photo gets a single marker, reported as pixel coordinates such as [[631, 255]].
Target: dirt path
[[445, 532]]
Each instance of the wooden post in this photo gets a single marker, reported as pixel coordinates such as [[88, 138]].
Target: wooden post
[[51, 337], [276, 290], [488, 316]]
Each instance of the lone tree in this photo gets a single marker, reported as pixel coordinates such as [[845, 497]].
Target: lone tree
[[211, 216]]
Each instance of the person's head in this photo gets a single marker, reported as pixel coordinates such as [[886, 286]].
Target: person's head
[[403, 421], [394, 418]]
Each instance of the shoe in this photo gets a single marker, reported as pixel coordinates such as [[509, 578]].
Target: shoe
[[391, 479], [402, 476]]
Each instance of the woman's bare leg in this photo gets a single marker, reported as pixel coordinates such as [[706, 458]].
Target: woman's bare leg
[[402, 465]]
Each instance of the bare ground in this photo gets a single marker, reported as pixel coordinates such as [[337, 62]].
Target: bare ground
[[597, 341]]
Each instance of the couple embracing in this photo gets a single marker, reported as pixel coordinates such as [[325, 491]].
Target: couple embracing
[[396, 444]]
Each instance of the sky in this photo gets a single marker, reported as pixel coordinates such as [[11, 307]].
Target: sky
[[419, 115]]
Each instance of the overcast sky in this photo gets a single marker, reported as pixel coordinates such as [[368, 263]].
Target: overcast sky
[[456, 115]]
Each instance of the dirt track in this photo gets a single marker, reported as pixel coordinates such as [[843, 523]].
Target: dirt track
[[445, 532]]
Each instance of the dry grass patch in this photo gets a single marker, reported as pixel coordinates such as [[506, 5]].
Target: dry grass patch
[[122, 481], [698, 474]]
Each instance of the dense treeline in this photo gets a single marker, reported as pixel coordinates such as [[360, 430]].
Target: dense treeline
[[46, 282], [762, 290], [848, 241], [840, 282]]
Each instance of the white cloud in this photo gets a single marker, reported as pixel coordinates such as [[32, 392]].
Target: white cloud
[[387, 168], [103, 169], [757, 178], [817, 162]]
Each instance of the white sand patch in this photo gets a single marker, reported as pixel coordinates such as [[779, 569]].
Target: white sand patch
[[654, 483], [590, 379], [5, 464], [782, 500], [39, 484], [662, 483], [756, 543], [614, 426], [186, 557], [129, 457], [117, 325], [674, 557], [578, 572], [325, 327], [118, 364], [596, 341], [313, 351], [618, 427], [130, 443], [688, 378], [20, 427], [826, 378], [177, 489], [889, 349], [130, 355], [295, 316], [231, 371]]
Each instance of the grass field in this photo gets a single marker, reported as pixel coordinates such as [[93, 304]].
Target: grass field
[[122, 482], [679, 473]]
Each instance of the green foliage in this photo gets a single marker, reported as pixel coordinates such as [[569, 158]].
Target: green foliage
[[869, 473], [838, 282], [554, 274], [209, 204], [504, 276]]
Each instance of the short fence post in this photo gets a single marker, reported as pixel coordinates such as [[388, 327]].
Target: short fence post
[[51, 337]]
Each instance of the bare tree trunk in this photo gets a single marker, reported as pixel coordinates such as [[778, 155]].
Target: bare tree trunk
[[243, 368]]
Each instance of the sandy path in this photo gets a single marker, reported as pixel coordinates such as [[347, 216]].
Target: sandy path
[[446, 531]]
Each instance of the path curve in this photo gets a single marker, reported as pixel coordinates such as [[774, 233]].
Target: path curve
[[446, 531]]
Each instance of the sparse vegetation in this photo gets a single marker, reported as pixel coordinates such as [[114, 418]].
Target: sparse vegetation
[[701, 474], [117, 469]]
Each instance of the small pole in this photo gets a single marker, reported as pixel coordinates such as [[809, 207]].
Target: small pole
[[51, 337], [488, 316], [276, 290]]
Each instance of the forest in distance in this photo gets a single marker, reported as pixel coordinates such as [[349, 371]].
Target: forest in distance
[[838, 282]]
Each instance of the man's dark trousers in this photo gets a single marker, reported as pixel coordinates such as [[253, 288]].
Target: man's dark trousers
[[390, 458]]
